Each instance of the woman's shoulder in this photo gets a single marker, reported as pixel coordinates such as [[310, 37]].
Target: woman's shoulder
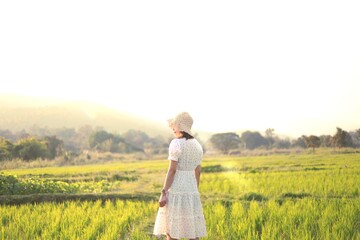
[[176, 141], [182, 140]]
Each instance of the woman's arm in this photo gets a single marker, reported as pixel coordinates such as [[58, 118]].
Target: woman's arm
[[168, 181], [197, 174]]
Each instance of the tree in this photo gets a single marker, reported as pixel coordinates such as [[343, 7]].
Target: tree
[[6, 149], [355, 138], [253, 140], [270, 137], [281, 143], [269, 132], [54, 145], [22, 134], [224, 142], [68, 135], [82, 136], [7, 134], [30, 149], [107, 142], [325, 141], [40, 132], [299, 142], [156, 145], [98, 137], [135, 138], [312, 141], [342, 139]]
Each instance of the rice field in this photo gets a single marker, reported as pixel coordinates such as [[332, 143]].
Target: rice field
[[306, 196]]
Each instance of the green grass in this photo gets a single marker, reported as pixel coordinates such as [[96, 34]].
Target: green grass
[[294, 196]]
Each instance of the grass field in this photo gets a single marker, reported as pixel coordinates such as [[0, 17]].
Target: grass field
[[293, 196]]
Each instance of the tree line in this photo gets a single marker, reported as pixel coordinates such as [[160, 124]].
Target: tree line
[[228, 142], [38, 142], [46, 143]]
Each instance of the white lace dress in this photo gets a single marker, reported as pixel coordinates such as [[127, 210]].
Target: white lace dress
[[182, 216]]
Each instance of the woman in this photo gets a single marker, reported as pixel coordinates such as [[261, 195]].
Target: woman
[[180, 214]]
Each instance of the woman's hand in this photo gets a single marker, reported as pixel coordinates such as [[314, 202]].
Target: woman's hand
[[162, 200]]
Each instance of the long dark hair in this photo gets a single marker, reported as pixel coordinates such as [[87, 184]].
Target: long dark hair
[[186, 135]]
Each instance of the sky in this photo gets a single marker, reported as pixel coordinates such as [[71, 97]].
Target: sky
[[293, 66]]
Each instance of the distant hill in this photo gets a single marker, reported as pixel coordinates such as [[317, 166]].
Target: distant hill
[[20, 112]]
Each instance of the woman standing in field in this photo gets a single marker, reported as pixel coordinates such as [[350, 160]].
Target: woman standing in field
[[180, 214]]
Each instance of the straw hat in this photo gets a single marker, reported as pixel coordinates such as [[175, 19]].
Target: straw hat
[[182, 122]]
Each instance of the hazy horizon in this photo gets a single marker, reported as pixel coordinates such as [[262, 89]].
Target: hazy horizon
[[87, 107], [293, 67]]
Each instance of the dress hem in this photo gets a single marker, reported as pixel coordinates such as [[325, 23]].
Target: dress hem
[[178, 237]]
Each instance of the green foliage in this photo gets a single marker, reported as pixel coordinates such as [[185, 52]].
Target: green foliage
[[295, 195], [31, 149], [213, 168], [299, 142], [325, 141], [305, 196], [6, 149], [78, 220], [254, 197], [312, 141], [281, 143], [107, 142], [291, 219], [99, 137], [253, 140], [342, 139], [136, 138], [11, 185], [224, 142], [102, 182], [54, 145]]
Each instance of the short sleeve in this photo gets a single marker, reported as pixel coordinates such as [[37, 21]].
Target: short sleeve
[[174, 150]]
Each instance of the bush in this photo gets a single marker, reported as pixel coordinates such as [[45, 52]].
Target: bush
[[6, 148], [31, 149], [11, 185]]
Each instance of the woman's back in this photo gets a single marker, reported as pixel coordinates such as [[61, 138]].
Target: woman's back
[[188, 152]]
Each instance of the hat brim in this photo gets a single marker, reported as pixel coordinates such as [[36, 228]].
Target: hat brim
[[172, 124]]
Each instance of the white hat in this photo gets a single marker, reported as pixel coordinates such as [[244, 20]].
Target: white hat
[[182, 122]]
